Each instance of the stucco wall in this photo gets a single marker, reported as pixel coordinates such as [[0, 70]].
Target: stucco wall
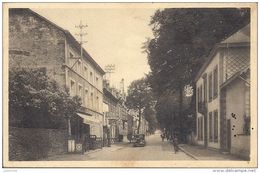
[[235, 101], [214, 104]]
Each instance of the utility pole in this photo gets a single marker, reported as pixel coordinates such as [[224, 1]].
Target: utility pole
[[81, 34], [122, 86]]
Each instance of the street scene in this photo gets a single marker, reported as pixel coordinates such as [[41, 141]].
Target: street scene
[[95, 83], [125, 151]]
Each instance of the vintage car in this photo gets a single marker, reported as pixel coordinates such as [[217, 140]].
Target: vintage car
[[139, 140]]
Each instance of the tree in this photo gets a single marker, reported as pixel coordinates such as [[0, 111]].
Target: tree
[[182, 40], [150, 116], [139, 98], [35, 101]]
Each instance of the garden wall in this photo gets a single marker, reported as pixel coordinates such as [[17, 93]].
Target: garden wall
[[34, 144]]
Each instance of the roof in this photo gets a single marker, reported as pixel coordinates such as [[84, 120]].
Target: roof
[[243, 35], [68, 35], [239, 38], [235, 76], [110, 95]]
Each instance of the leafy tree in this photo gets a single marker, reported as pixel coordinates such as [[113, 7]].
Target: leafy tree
[[139, 98], [35, 101], [150, 116], [182, 40]]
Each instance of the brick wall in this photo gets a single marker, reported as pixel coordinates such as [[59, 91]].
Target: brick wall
[[34, 42], [34, 144]]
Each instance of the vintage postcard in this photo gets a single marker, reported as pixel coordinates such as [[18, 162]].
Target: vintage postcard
[[130, 85]]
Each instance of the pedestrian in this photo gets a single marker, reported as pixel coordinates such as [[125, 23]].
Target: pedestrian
[[167, 136], [162, 136], [175, 144]]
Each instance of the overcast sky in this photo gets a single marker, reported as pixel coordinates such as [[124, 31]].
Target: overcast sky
[[115, 36]]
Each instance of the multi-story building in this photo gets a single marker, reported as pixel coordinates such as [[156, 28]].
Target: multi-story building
[[222, 99], [111, 115], [36, 42], [116, 115]]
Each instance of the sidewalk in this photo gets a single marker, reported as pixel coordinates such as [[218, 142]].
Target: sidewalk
[[78, 156], [201, 153]]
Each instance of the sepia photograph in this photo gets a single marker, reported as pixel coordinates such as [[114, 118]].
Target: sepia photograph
[[130, 85]]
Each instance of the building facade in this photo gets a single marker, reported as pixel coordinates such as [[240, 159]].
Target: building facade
[[222, 98], [111, 115], [36, 42], [116, 115]]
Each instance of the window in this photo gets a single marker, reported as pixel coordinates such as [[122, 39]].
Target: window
[[72, 88], [97, 81], [210, 86], [199, 90], [215, 82], [80, 91], [91, 99], [200, 93], [85, 73], [215, 126], [205, 87], [71, 61], [91, 76], [97, 103], [79, 66], [86, 97], [200, 128], [198, 96], [210, 128]]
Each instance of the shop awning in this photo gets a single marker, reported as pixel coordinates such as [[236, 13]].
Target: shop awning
[[87, 119]]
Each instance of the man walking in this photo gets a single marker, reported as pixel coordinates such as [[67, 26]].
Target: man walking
[[175, 144]]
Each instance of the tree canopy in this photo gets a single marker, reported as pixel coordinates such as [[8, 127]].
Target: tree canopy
[[35, 101], [140, 99], [182, 40]]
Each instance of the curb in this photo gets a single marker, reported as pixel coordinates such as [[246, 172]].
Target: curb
[[188, 153], [93, 151]]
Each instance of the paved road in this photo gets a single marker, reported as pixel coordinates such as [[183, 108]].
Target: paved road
[[155, 149]]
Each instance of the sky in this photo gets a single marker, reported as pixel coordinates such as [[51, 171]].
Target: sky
[[114, 36]]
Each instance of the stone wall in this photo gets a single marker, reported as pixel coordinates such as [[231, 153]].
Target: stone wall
[[34, 43], [34, 144]]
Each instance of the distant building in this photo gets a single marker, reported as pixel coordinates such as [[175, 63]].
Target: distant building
[[133, 117], [223, 96], [36, 42], [116, 115], [111, 115]]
